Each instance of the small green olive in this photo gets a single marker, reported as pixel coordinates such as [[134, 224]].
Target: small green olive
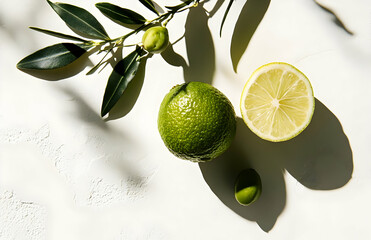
[[155, 39], [248, 187]]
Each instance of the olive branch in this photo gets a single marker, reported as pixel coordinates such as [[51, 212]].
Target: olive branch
[[92, 35], [94, 38]]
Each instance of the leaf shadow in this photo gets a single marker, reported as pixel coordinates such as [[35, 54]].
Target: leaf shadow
[[335, 19], [200, 47], [116, 57], [248, 21], [105, 134], [83, 111], [320, 158], [216, 7], [173, 58]]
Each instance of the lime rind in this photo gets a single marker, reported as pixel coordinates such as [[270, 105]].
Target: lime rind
[[251, 80], [196, 122]]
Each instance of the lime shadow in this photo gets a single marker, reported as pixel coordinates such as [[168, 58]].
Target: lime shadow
[[320, 158]]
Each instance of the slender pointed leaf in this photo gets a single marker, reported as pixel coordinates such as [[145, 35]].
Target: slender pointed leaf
[[52, 57], [122, 74], [80, 20], [149, 4], [120, 15], [59, 35], [225, 16], [177, 7]]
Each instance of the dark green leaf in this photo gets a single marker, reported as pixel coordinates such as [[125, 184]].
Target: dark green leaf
[[52, 57], [80, 20], [149, 4], [119, 14], [225, 16], [60, 35], [121, 76], [177, 7]]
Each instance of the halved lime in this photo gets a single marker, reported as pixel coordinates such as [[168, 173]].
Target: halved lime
[[277, 102]]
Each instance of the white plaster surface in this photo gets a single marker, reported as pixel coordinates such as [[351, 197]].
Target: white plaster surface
[[66, 173]]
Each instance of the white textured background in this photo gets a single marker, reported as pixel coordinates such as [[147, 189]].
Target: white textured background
[[67, 174]]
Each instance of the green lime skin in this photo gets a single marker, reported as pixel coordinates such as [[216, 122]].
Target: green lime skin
[[155, 39], [196, 122], [248, 187]]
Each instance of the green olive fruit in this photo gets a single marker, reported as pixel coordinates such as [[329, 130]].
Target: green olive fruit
[[155, 39], [248, 187]]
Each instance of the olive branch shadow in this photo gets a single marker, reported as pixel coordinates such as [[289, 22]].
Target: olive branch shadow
[[199, 46], [249, 19], [86, 117], [320, 158]]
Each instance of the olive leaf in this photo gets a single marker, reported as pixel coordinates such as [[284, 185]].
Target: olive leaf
[[149, 4], [60, 35], [177, 7], [80, 20], [93, 35], [52, 57], [122, 74], [225, 16], [120, 15]]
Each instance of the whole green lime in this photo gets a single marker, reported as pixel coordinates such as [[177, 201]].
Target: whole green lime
[[196, 121], [155, 39]]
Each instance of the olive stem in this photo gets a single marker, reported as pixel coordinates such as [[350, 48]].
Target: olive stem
[[166, 16], [100, 62], [163, 18]]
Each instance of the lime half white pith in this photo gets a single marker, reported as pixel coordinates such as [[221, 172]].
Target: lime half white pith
[[277, 102]]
